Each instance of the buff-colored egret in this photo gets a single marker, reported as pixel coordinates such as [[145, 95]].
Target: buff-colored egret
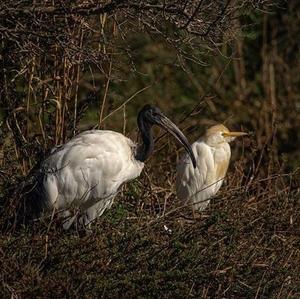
[[81, 177], [195, 186]]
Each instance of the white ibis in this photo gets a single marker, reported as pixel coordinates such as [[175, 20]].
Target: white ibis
[[197, 185], [81, 177]]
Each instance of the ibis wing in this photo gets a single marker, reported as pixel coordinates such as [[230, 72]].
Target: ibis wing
[[89, 168], [191, 182]]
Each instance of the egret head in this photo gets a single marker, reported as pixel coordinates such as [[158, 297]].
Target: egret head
[[149, 116], [219, 134]]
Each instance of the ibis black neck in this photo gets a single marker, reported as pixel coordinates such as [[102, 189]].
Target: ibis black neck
[[149, 116], [145, 149]]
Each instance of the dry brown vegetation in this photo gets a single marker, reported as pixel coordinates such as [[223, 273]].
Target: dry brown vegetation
[[68, 66]]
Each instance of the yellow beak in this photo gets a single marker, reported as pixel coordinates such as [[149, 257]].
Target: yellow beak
[[234, 134]]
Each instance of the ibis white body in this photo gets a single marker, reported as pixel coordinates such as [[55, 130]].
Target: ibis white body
[[84, 175], [197, 185]]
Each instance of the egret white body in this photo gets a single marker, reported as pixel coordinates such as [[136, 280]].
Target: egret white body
[[81, 178], [197, 185]]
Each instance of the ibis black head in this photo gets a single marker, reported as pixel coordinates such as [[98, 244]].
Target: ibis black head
[[149, 116]]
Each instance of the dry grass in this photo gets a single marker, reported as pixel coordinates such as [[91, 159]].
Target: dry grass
[[246, 245]]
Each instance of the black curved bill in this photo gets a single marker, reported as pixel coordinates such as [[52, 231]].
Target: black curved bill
[[169, 126]]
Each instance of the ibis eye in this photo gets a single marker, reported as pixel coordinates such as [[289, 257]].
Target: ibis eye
[[154, 114]]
